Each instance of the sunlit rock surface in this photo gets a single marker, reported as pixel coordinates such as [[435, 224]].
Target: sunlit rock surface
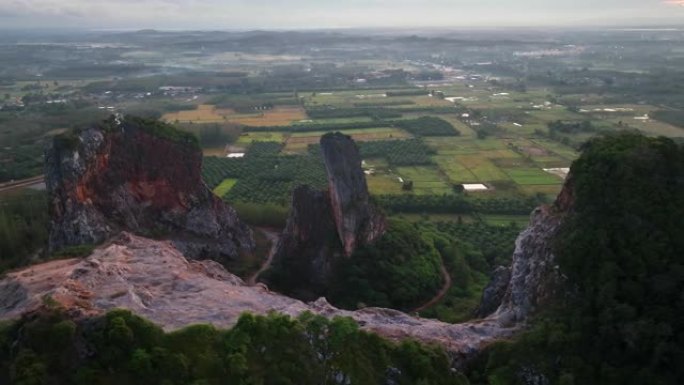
[[154, 280]]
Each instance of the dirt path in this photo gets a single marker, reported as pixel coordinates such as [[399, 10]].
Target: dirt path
[[442, 292], [273, 237], [21, 183]]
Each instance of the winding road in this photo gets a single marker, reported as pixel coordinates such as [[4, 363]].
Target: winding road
[[442, 292], [273, 237]]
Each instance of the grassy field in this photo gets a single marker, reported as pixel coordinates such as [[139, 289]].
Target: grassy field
[[383, 184], [532, 176], [299, 141], [483, 168], [455, 171], [466, 219], [224, 187], [426, 180], [207, 113], [505, 220], [249, 137]]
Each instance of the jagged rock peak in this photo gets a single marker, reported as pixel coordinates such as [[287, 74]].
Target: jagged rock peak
[[356, 220], [141, 176], [533, 278], [325, 226]]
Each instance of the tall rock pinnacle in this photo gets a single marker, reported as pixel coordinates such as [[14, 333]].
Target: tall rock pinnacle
[[356, 220], [326, 225]]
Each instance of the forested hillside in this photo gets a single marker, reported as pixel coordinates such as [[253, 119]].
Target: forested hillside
[[622, 251]]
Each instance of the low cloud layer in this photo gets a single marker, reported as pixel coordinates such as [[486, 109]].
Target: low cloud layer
[[301, 14]]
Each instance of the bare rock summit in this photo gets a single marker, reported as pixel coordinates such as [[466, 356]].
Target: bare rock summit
[[140, 176]]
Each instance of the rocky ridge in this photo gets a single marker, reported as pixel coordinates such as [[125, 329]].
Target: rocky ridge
[[140, 176], [154, 280]]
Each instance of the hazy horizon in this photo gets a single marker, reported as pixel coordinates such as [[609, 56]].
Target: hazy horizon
[[326, 14]]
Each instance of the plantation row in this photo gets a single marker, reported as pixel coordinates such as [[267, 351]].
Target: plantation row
[[410, 152], [423, 126], [496, 243], [320, 127], [275, 184], [371, 112], [428, 126], [261, 149], [264, 178], [457, 204]]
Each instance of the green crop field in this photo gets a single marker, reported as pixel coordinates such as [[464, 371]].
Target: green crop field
[[506, 220], [532, 176], [484, 169], [426, 180], [384, 184], [222, 189], [456, 172], [249, 137]]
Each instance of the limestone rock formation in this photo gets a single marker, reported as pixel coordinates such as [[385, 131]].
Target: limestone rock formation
[[326, 225], [494, 292], [309, 243], [154, 280], [140, 176], [357, 221], [534, 278]]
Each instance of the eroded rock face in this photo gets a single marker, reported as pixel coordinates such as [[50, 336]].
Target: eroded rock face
[[534, 274], [357, 221], [534, 278], [123, 176], [309, 243], [493, 294], [154, 280], [326, 225]]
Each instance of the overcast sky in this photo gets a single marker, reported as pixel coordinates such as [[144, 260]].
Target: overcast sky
[[301, 14]]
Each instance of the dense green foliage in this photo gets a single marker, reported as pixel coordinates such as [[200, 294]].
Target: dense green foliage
[[413, 92], [312, 127], [263, 175], [410, 152], [399, 271], [213, 134], [673, 117], [275, 349], [494, 243], [162, 130], [621, 249], [424, 126], [23, 226], [456, 204], [24, 133], [564, 127], [428, 126]]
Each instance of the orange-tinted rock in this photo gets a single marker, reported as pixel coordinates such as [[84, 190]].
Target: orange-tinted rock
[[122, 175]]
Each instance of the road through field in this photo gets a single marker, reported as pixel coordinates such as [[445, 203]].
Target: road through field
[[21, 183], [273, 237]]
